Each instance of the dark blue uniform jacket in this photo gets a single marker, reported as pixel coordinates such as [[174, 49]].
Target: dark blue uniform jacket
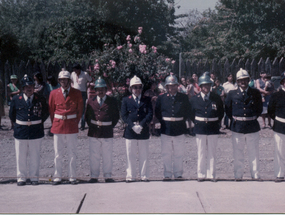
[[132, 113], [213, 108], [19, 110], [248, 106]]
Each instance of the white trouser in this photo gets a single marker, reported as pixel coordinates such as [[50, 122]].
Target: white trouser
[[252, 141], [279, 155], [206, 145], [60, 140], [131, 146], [23, 147], [177, 145], [98, 146]]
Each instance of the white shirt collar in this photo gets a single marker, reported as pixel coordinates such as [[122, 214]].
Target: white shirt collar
[[26, 97], [62, 90], [244, 90], [134, 96], [203, 95], [98, 99]]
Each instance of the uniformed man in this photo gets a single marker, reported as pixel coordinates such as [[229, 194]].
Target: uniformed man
[[28, 111], [243, 106], [102, 114], [66, 106], [136, 112], [276, 110], [172, 110], [207, 112]]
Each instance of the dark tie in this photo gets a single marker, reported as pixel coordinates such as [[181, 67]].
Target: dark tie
[[206, 98], [101, 102], [137, 101], [29, 101], [65, 93]]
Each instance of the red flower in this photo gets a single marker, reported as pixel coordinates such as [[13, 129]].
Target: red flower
[[20, 97], [130, 97]]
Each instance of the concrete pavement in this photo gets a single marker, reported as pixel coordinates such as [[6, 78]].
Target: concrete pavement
[[140, 197]]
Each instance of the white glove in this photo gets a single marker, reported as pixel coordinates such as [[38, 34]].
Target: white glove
[[137, 129]]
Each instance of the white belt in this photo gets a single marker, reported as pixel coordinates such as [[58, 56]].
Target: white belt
[[244, 118], [172, 119], [28, 123], [57, 116], [202, 119], [100, 123], [280, 119]]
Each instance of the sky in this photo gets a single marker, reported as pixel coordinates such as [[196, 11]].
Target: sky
[[187, 5]]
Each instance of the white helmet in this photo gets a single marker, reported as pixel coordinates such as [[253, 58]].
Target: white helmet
[[135, 80], [64, 74], [241, 74]]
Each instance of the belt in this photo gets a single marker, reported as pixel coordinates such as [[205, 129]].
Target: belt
[[172, 119], [280, 119], [100, 123], [202, 119], [57, 116], [28, 123], [245, 118]]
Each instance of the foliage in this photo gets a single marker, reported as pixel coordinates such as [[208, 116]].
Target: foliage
[[238, 29], [71, 29]]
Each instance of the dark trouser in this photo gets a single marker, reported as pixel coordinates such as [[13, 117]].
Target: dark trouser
[[84, 97]]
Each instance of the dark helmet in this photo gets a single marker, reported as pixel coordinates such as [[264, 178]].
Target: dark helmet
[[100, 83], [205, 79], [171, 80], [282, 77], [206, 73], [27, 80]]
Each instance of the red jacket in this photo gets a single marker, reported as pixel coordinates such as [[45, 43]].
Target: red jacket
[[72, 105]]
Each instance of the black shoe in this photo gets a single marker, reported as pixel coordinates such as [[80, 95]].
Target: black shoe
[[74, 182], [34, 183], [213, 180], [279, 179], [145, 180], [130, 180], [109, 180], [200, 179], [238, 179], [93, 180], [179, 178], [167, 179], [82, 128], [257, 179], [21, 183], [56, 182]]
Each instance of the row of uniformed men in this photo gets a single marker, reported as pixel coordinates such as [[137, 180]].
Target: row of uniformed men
[[28, 111]]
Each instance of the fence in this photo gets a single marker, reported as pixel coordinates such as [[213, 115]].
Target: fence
[[188, 67]]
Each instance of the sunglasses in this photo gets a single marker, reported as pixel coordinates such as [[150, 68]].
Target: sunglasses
[[137, 87]]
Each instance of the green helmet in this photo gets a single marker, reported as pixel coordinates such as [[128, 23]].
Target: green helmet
[[205, 79], [100, 83], [13, 77], [171, 80]]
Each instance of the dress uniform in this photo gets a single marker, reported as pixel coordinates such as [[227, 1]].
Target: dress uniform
[[243, 106], [102, 114], [172, 110], [66, 106], [28, 111], [207, 112], [136, 112], [276, 110]]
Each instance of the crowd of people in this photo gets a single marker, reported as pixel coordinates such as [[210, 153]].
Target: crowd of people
[[168, 109]]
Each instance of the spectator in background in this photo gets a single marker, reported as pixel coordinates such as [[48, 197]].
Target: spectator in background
[[154, 125], [182, 86], [80, 80], [52, 83], [261, 85], [218, 89], [41, 87], [13, 89], [196, 85], [2, 111], [228, 86]]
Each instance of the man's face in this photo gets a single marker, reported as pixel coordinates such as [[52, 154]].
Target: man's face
[[205, 88], [64, 83], [101, 91], [230, 78], [172, 89], [136, 89], [243, 83], [77, 71], [213, 76], [28, 90]]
